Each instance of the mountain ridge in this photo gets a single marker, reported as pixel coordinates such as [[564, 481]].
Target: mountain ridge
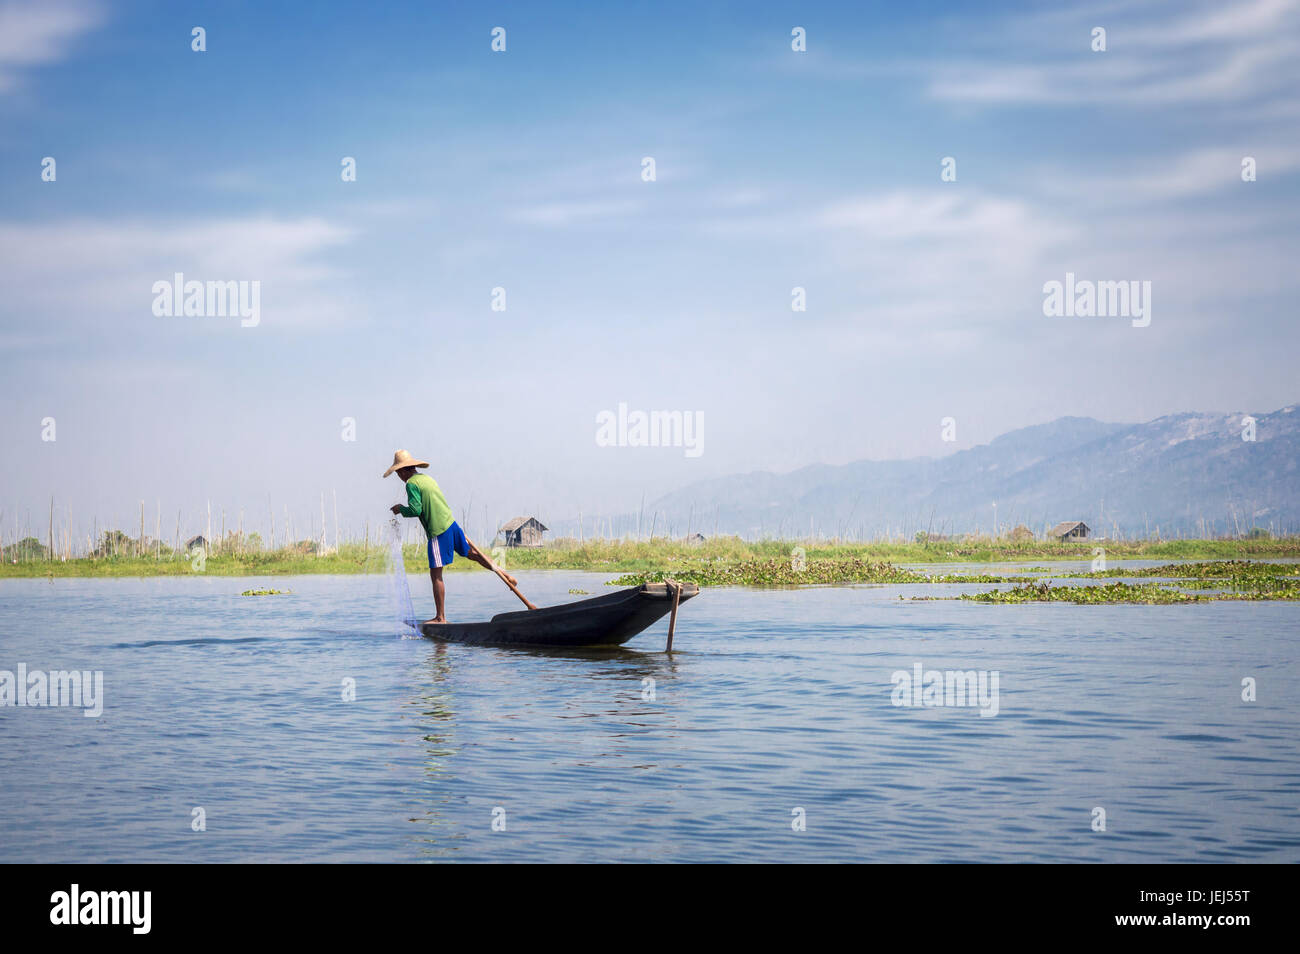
[[1184, 474]]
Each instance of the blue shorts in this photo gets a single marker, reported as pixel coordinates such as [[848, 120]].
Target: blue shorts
[[444, 547]]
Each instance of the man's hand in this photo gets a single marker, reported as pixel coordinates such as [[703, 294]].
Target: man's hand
[[395, 509]]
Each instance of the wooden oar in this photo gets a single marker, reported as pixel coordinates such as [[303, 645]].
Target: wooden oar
[[497, 571], [672, 620]]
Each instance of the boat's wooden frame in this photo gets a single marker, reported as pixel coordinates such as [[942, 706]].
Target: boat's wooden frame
[[608, 620]]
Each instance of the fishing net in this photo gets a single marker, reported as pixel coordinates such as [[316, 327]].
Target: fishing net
[[399, 588]]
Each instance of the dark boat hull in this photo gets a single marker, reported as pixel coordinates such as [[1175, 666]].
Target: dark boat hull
[[608, 620]]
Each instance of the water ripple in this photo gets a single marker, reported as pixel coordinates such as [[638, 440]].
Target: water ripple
[[776, 713]]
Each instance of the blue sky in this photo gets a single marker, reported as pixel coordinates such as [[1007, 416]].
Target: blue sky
[[522, 170]]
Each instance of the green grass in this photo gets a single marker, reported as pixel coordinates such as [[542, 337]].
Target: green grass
[[644, 556], [725, 561], [351, 558]]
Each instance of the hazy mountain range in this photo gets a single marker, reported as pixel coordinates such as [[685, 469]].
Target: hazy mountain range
[[1183, 474]]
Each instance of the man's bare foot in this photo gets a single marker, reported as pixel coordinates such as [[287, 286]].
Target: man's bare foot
[[437, 619]]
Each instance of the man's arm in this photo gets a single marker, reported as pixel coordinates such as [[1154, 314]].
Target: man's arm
[[414, 505]]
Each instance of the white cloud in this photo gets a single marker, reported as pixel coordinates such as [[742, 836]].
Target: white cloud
[[69, 275], [1157, 54], [1198, 172], [906, 215], [939, 259], [32, 34], [919, 270], [561, 214]]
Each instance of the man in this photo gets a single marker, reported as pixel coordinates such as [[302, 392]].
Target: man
[[424, 500]]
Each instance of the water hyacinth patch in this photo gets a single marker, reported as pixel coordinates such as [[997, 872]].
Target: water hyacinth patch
[[810, 572], [1161, 593]]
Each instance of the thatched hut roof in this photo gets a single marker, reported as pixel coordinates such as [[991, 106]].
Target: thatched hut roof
[[514, 523], [1067, 526]]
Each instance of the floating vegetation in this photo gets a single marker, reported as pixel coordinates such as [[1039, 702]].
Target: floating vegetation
[[265, 592], [1280, 593], [789, 572], [1110, 593], [579, 592], [1240, 583], [1158, 593], [1219, 580], [1226, 579], [1210, 569], [119, 555]]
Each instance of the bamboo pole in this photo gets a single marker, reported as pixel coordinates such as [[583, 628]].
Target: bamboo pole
[[672, 620], [497, 570]]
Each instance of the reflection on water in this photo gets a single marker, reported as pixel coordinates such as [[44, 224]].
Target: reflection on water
[[774, 701]]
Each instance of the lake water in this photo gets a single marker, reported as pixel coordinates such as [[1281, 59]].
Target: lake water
[[774, 701]]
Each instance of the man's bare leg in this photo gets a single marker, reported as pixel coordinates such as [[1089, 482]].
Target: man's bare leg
[[477, 556], [439, 594]]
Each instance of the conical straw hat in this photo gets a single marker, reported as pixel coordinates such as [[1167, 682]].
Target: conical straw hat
[[404, 459]]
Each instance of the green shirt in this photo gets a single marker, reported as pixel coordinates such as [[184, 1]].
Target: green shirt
[[424, 499]]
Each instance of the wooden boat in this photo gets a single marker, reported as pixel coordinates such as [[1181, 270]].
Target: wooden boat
[[608, 620]]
